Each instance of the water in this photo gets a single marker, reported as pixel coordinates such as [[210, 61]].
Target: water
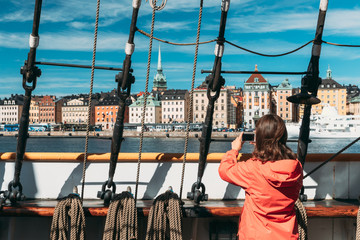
[[166, 145]]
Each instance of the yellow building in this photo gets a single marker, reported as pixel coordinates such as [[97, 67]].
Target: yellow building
[[34, 110], [331, 93]]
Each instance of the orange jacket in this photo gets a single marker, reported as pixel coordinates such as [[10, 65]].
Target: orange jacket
[[271, 190]]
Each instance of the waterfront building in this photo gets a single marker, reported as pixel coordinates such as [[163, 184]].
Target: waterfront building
[[351, 91], [75, 111], [47, 109], [174, 106], [34, 110], [106, 111], [237, 101], [257, 99], [352, 98], [354, 105], [331, 93], [159, 83], [285, 109], [152, 111], [11, 109], [221, 116]]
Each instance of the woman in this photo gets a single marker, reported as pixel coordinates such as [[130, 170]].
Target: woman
[[272, 179]]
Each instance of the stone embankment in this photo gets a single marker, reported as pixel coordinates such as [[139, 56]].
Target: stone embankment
[[108, 134]]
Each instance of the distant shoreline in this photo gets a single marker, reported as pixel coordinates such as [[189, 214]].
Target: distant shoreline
[[108, 134]]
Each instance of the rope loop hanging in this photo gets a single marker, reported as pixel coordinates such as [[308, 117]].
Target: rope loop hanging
[[145, 101], [69, 207], [214, 83], [157, 8], [121, 220], [90, 96], [191, 97], [301, 218], [165, 218]]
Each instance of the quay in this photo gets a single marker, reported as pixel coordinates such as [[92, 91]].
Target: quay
[[108, 134]]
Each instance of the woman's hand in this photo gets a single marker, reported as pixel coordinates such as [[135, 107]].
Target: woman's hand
[[237, 143]]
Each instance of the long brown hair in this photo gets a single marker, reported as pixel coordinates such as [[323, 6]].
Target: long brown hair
[[271, 137]]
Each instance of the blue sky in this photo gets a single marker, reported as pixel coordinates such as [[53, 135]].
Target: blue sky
[[66, 35]]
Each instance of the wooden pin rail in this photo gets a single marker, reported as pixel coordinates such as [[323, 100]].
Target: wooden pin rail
[[233, 208]]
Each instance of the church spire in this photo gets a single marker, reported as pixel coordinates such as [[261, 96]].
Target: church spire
[[328, 73], [159, 83], [159, 67]]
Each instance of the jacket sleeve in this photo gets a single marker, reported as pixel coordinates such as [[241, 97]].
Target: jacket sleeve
[[234, 172]]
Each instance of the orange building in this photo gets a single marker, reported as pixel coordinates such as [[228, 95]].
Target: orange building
[[47, 109], [285, 109], [106, 111]]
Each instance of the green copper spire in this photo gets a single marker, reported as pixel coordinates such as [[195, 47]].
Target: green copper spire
[[159, 83]]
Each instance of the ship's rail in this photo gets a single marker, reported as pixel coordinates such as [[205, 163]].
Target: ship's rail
[[332, 191], [154, 157], [232, 208]]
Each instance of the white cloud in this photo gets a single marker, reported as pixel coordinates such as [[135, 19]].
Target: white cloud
[[338, 21]]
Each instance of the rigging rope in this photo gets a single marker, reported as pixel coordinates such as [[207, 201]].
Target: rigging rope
[[174, 43], [270, 55], [341, 45], [191, 97], [164, 220], [301, 218], [157, 8], [69, 207], [121, 219], [145, 100], [90, 94]]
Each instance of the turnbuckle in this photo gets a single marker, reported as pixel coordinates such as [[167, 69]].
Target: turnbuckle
[[196, 194], [29, 76], [107, 195], [14, 193]]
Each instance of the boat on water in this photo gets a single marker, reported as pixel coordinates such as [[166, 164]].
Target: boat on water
[[329, 124], [30, 204]]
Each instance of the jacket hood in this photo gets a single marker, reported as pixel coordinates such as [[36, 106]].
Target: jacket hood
[[282, 173]]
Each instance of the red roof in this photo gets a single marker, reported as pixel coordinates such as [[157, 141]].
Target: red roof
[[261, 79]]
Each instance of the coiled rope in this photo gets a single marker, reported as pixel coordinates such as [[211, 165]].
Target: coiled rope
[[121, 219], [164, 220], [301, 218], [69, 207]]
